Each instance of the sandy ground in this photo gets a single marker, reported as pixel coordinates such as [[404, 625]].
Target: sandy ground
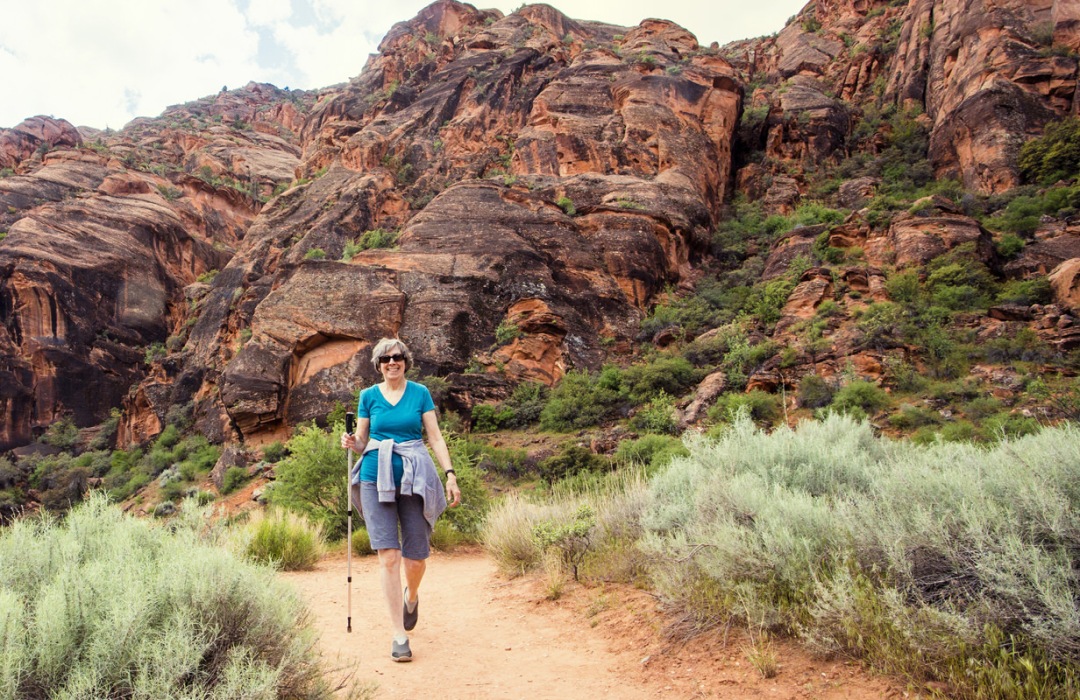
[[481, 635]]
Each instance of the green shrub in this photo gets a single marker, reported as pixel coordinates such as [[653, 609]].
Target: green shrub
[[960, 285], [1053, 156], [814, 391], [361, 542], [103, 605], [350, 250], [912, 558], [962, 298], [1010, 426], [468, 517], [196, 456], [567, 205], [743, 358], [168, 437], [1024, 345], [525, 404], [506, 332], [378, 238], [689, 315], [761, 406], [311, 480], [315, 254], [62, 433], [580, 400], [571, 538], [771, 300], [487, 418], [571, 460], [285, 540], [981, 407], [860, 394], [234, 478], [656, 416], [665, 374], [1009, 245], [652, 452], [274, 452], [913, 417], [1026, 292], [445, 537], [507, 535]]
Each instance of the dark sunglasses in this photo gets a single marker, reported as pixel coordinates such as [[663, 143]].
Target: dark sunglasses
[[386, 359]]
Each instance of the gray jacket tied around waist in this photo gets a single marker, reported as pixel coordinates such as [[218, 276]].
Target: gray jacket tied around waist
[[419, 477]]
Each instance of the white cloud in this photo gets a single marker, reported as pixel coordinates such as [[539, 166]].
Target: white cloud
[[94, 66], [268, 12]]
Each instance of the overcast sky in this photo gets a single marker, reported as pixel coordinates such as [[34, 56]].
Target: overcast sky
[[101, 63]]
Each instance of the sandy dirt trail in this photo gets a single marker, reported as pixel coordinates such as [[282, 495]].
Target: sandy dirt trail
[[483, 636]]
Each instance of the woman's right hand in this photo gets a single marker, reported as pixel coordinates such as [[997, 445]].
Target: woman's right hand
[[348, 441]]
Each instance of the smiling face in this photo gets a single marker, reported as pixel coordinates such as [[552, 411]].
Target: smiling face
[[392, 363], [391, 358]]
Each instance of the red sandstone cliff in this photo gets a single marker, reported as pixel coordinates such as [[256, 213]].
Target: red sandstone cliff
[[547, 173]]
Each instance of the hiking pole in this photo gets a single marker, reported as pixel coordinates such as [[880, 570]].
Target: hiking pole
[[350, 426]]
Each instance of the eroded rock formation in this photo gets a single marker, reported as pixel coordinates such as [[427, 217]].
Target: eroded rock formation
[[508, 194]]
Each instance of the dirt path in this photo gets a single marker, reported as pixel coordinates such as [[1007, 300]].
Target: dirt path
[[481, 636]]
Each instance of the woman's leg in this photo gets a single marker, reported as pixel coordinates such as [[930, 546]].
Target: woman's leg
[[390, 577], [414, 572], [415, 543]]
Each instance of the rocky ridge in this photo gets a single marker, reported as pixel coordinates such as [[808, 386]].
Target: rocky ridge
[[546, 181]]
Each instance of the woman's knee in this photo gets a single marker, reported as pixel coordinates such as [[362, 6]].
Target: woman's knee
[[390, 558]]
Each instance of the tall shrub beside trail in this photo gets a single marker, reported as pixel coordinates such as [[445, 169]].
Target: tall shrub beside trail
[[949, 562], [102, 605], [312, 479]]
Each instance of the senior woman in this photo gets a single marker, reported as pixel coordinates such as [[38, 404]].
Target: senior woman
[[395, 483]]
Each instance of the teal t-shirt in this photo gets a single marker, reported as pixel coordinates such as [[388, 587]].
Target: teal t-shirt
[[399, 422]]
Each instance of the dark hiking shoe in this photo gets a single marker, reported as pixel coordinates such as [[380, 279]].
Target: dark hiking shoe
[[410, 618], [400, 652]]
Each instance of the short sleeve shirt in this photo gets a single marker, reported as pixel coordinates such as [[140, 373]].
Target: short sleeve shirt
[[399, 422]]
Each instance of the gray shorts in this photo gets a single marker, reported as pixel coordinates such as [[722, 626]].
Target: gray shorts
[[383, 521]]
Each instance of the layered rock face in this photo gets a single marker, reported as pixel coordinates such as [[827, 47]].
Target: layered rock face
[[507, 194], [986, 75], [102, 233], [540, 181]]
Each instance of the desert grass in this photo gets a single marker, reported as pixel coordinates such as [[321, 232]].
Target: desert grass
[[285, 540], [948, 562], [101, 605], [925, 561]]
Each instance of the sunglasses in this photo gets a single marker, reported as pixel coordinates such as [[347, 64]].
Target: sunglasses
[[386, 359]]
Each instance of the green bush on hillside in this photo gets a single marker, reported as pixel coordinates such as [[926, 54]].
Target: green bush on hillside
[[581, 400], [1053, 156], [570, 461], [761, 406], [652, 452], [102, 605], [860, 395], [656, 416], [667, 374]]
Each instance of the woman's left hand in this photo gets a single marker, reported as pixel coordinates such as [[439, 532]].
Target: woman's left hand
[[453, 493]]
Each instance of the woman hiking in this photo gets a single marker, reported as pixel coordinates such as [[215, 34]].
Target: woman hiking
[[395, 483]]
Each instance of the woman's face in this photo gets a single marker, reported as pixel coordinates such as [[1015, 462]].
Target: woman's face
[[392, 363]]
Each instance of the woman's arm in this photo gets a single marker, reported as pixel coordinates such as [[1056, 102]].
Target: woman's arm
[[442, 454]]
